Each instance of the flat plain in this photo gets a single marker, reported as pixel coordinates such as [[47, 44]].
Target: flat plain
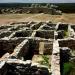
[[64, 18]]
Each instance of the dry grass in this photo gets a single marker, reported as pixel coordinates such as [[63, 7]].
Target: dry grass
[[67, 18]]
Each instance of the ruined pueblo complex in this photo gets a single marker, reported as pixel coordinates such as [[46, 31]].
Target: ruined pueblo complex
[[36, 48], [36, 39]]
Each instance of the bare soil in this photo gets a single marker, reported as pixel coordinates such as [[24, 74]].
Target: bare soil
[[9, 18]]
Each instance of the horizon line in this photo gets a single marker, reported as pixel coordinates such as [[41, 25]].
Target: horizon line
[[37, 2]]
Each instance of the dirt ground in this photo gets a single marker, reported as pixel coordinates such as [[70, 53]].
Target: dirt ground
[[9, 18]]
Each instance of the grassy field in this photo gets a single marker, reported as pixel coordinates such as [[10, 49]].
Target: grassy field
[[8, 18]]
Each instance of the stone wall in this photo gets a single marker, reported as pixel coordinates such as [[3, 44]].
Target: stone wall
[[36, 44], [8, 45], [55, 62], [3, 68], [30, 40], [67, 43], [21, 50], [45, 34], [5, 34]]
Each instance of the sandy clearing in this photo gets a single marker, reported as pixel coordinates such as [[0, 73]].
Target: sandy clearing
[[67, 18]]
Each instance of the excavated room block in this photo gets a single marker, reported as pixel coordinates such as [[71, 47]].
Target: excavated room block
[[23, 34], [49, 26], [67, 43], [73, 27], [40, 46], [33, 48], [5, 34], [8, 45], [63, 27], [45, 34]]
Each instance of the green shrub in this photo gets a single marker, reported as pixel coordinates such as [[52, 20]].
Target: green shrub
[[66, 34], [45, 60], [67, 68]]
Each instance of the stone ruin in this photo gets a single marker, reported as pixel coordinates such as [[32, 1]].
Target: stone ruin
[[35, 48], [32, 8]]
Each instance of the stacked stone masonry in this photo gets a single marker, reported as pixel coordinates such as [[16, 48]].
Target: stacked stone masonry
[[24, 45]]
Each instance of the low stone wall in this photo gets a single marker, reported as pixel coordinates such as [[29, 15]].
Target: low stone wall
[[35, 26], [5, 34], [9, 45], [23, 34], [73, 27], [39, 45], [3, 68], [45, 34], [25, 44], [62, 26], [21, 50], [55, 62], [25, 68], [67, 43]]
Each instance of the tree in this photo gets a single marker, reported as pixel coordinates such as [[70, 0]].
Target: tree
[[48, 5]]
